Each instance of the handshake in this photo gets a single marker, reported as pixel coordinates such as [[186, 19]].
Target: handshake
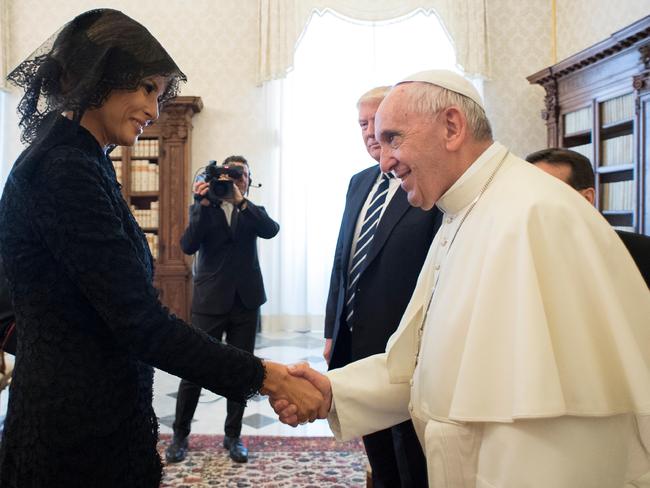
[[297, 393]]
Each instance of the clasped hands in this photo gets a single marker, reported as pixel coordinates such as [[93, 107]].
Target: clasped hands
[[297, 393]]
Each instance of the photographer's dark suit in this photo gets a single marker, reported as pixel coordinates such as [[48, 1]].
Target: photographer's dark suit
[[228, 290], [383, 290]]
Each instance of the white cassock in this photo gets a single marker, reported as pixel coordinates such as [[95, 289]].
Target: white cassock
[[532, 368]]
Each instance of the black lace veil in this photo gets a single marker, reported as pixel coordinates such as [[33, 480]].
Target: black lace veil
[[77, 67]]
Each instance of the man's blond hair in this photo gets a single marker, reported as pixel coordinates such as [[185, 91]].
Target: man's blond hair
[[378, 93]]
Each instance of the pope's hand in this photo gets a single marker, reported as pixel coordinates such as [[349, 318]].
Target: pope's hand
[[305, 399], [288, 412]]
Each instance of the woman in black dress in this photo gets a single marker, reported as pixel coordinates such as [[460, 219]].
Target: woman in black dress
[[90, 326]]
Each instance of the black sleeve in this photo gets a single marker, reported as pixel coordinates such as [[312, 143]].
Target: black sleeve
[[265, 227], [193, 235], [76, 218]]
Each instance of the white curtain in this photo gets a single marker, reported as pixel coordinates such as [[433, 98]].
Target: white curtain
[[4, 42], [282, 22], [314, 146]]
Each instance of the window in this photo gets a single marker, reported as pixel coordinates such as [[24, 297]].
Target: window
[[336, 61]]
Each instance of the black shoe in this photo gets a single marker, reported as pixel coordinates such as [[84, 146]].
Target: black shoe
[[238, 452], [177, 450]]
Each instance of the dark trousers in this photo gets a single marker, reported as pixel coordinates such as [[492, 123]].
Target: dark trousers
[[239, 327], [396, 457]]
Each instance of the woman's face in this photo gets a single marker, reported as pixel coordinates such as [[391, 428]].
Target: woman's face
[[125, 113]]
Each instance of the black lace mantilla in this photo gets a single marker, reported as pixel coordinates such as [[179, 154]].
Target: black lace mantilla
[[98, 51]]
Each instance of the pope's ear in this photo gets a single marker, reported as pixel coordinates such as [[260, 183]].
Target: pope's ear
[[455, 128]]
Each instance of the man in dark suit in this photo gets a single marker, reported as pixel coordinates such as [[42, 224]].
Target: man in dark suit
[[381, 247], [228, 287], [576, 170]]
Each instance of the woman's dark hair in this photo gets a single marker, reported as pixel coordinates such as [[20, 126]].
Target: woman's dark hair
[[76, 69]]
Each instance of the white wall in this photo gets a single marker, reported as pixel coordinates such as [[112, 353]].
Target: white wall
[[519, 37], [581, 23]]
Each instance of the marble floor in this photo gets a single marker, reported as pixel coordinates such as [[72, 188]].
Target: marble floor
[[259, 418]]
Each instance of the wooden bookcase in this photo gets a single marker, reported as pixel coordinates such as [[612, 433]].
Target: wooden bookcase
[[155, 175], [598, 103]]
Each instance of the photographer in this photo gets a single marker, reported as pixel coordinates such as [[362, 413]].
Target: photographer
[[228, 287]]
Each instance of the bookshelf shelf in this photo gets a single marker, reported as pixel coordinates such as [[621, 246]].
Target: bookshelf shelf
[[579, 135], [618, 212], [620, 126], [598, 103], [615, 168]]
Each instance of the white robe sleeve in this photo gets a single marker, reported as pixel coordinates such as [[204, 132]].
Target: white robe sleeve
[[365, 401]]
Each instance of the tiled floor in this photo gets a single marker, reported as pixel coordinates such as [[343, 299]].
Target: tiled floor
[[259, 418]]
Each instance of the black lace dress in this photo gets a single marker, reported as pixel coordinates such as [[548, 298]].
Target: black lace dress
[[90, 326]]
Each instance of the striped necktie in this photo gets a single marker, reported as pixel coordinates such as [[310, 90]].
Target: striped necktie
[[366, 235]]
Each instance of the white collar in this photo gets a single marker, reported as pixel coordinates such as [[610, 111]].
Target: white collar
[[468, 186]]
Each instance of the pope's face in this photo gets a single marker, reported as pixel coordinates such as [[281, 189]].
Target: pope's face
[[412, 147]]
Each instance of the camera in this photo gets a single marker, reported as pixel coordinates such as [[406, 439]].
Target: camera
[[221, 189]]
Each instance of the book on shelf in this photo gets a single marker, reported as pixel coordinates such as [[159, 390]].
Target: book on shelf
[[617, 109], [147, 218], [118, 170], [152, 240], [577, 121], [617, 150], [146, 148], [144, 175], [116, 153], [617, 196], [585, 149]]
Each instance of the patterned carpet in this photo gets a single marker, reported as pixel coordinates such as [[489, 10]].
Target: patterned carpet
[[274, 462]]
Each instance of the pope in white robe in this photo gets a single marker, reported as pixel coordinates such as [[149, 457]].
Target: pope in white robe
[[523, 357]]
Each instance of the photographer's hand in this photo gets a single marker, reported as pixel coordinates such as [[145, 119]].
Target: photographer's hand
[[200, 189], [237, 199]]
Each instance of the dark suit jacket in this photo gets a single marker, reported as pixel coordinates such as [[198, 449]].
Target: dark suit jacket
[[227, 262], [398, 250], [638, 245]]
